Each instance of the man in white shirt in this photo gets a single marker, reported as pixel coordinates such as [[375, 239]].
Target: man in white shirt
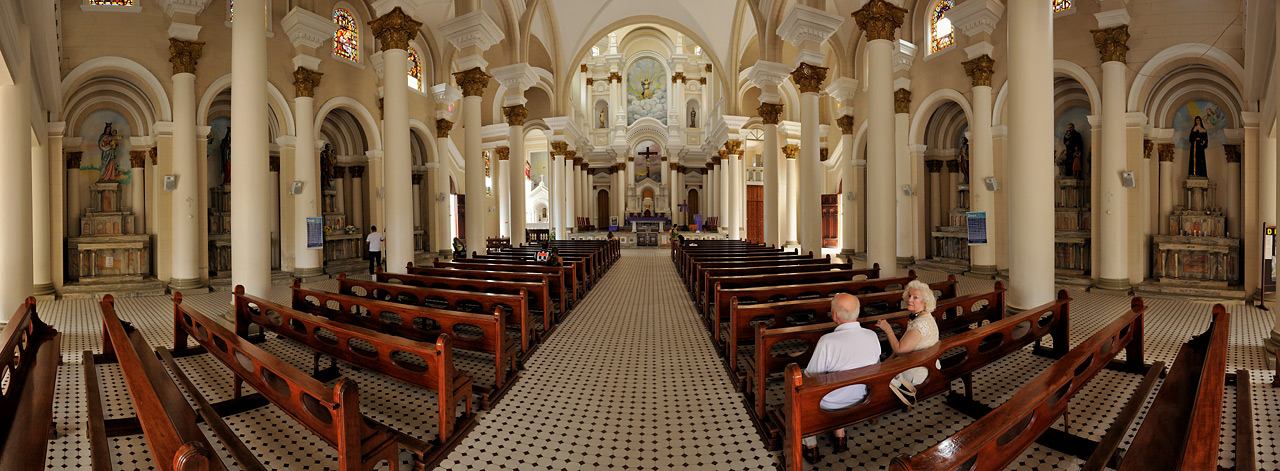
[[375, 248], [849, 346]]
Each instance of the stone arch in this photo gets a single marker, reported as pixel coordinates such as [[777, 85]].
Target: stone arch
[[147, 92], [931, 104], [368, 125], [1175, 57]]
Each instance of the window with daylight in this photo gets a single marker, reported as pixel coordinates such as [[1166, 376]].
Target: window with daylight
[[1061, 5], [488, 178], [415, 70], [940, 34], [346, 40]]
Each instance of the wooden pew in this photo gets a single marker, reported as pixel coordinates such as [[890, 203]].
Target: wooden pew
[[597, 260], [1181, 428], [692, 267], [514, 306], [578, 268], [704, 274], [332, 414], [764, 288], [756, 369], [166, 419], [567, 271], [539, 294], [593, 272], [30, 352], [611, 249], [996, 439], [783, 276], [555, 281], [693, 284], [803, 417], [423, 325], [686, 259]]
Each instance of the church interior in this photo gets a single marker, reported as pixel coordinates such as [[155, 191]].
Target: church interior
[[580, 234]]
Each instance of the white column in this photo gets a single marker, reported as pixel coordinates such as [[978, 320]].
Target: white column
[[770, 113], [54, 182], [882, 242], [808, 202], [1030, 40], [555, 203], [250, 258], [503, 183], [137, 189], [790, 232], [417, 203], [712, 194], [357, 197], [1267, 194], [1113, 209], [273, 211], [186, 213], [735, 195], [955, 178], [935, 193], [473, 82], [73, 193], [620, 193], [15, 153], [848, 203], [906, 230], [41, 256], [393, 30], [569, 215], [724, 186], [982, 258], [515, 176], [307, 262], [1232, 186], [441, 235]]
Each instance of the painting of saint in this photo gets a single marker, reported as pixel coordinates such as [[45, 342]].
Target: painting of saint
[[646, 91]]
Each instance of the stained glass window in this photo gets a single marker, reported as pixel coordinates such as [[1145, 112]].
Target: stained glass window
[[1059, 5], [415, 70], [114, 3], [940, 34], [488, 181], [346, 40]]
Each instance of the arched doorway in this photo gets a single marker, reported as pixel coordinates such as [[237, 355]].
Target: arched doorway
[[693, 206], [602, 208]]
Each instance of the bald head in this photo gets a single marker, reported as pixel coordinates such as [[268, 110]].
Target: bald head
[[845, 308]]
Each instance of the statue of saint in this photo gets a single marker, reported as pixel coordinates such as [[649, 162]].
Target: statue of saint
[[108, 144], [693, 117], [604, 115], [1199, 140], [224, 151], [963, 156], [326, 165], [1073, 156]]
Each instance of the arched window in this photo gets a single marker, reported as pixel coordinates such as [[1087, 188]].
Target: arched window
[[940, 33], [346, 40], [1061, 5], [114, 3], [488, 179], [415, 70]]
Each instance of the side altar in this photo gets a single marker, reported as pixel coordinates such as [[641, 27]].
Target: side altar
[[108, 249], [1197, 248]]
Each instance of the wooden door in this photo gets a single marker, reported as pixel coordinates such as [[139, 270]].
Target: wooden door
[[462, 220], [602, 210], [693, 207], [830, 221], [755, 214]]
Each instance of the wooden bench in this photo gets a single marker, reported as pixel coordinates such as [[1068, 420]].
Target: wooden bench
[[332, 414], [1181, 428], [704, 274], [597, 259], [161, 411], [556, 282], [693, 284], [567, 271], [691, 268], [539, 294], [783, 276], [388, 355], [486, 333], [802, 416], [30, 352], [514, 306], [579, 268], [999, 437], [593, 271], [685, 259]]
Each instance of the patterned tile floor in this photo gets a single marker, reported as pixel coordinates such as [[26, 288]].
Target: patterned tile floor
[[630, 381]]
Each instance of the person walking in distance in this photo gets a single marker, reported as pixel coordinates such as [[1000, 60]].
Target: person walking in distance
[[375, 248]]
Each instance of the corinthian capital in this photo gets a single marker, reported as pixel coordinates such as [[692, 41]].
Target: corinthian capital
[[879, 19], [791, 151], [503, 152], [846, 124], [902, 101], [1166, 152], [559, 148], [770, 112], [472, 82], [980, 69], [515, 114], [184, 55], [809, 77], [1112, 43], [733, 147], [443, 126], [394, 29], [305, 81]]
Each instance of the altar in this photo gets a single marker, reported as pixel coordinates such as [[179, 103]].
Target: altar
[[1198, 249], [648, 223]]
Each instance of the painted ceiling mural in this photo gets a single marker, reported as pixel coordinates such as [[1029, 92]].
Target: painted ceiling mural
[[647, 91]]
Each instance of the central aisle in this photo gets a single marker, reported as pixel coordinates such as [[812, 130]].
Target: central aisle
[[630, 378]]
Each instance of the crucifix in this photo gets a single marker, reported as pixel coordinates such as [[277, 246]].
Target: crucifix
[[648, 166]]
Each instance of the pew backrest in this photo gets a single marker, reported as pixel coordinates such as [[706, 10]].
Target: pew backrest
[[29, 357]]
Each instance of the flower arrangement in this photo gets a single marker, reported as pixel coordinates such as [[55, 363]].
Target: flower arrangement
[[352, 229], [328, 230]]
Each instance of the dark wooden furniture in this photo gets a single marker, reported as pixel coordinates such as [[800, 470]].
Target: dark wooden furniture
[[801, 274], [485, 333], [775, 268], [566, 271], [30, 352], [694, 283], [539, 294], [556, 280], [996, 439]]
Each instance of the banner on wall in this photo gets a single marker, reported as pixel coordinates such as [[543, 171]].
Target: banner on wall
[[977, 228], [315, 233]]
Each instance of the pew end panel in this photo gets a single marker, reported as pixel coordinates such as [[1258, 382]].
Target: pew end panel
[[30, 352]]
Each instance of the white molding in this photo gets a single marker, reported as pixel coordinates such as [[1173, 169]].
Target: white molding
[[516, 79], [472, 29], [979, 49], [306, 28], [191, 7], [157, 91], [843, 90], [183, 31], [904, 52], [805, 23], [306, 61], [766, 76], [976, 17], [1112, 18], [135, 8]]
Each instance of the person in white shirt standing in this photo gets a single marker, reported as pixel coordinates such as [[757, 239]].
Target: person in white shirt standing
[[849, 346], [375, 248]]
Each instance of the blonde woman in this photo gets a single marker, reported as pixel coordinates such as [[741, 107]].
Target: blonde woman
[[922, 331]]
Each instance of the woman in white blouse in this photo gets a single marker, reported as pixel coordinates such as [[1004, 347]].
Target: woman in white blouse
[[922, 331]]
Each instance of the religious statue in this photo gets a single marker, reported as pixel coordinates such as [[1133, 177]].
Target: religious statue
[[604, 114], [1199, 140], [327, 161], [108, 144], [1073, 155], [224, 151], [693, 117], [962, 155]]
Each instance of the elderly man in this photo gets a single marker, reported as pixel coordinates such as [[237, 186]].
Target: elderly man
[[849, 346]]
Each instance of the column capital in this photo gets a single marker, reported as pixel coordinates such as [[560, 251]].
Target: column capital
[[791, 151], [273, 163], [73, 159], [339, 172], [515, 114], [1112, 43], [979, 69], [184, 55], [472, 81], [823, 154], [766, 76], [137, 158], [570, 154], [154, 153], [394, 29], [722, 154], [934, 166], [559, 148], [305, 82], [807, 24], [503, 152], [443, 126], [879, 19], [809, 78], [620, 166], [615, 77], [953, 166], [1147, 146], [902, 101], [770, 112], [733, 147], [846, 124], [416, 178], [472, 29], [676, 77], [356, 172], [1166, 152], [976, 17], [516, 78], [1233, 153]]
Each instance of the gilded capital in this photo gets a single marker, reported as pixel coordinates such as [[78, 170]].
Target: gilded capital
[[770, 112], [953, 166], [73, 159], [305, 82], [570, 154], [620, 166], [902, 101], [677, 77], [559, 148], [339, 172], [809, 77], [615, 77], [733, 147], [723, 155], [980, 69], [503, 153], [1166, 152], [273, 163], [1112, 43], [472, 82], [154, 154], [1233, 153], [934, 166], [137, 158], [443, 126], [417, 179], [515, 114], [184, 55], [823, 154], [791, 151], [1147, 147], [879, 19], [356, 172], [846, 124], [394, 29]]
